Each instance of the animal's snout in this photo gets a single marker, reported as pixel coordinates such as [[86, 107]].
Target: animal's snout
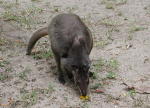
[[84, 92]]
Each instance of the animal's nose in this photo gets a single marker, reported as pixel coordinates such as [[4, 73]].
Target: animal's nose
[[84, 93], [86, 66]]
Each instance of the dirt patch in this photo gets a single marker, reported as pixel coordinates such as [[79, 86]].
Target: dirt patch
[[121, 54]]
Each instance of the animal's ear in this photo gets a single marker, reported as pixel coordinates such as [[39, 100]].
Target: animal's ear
[[76, 42], [86, 66], [79, 41], [82, 42]]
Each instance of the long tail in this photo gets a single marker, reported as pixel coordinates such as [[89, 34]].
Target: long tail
[[35, 37]]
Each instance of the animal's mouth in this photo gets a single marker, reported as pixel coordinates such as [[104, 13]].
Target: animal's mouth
[[79, 90], [82, 92]]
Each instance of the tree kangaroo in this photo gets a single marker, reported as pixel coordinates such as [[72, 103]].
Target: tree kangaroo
[[71, 44]]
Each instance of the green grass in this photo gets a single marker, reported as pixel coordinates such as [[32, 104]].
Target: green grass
[[110, 31], [71, 9], [48, 90], [22, 20], [51, 87], [16, 1], [56, 8], [111, 4], [109, 22], [7, 5], [110, 66], [95, 75], [23, 75], [101, 44], [99, 64], [33, 10], [24, 17], [113, 63], [85, 105], [147, 9], [7, 43], [3, 77], [135, 28], [138, 103], [19, 43], [110, 98], [9, 15], [35, 0], [111, 75], [66, 99], [96, 86], [130, 36], [29, 98], [1, 1], [119, 13], [3, 63], [120, 2], [8, 69], [3, 41], [43, 55], [132, 92]]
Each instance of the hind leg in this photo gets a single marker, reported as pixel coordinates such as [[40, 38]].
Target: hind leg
[[61, 74], [70, 76]]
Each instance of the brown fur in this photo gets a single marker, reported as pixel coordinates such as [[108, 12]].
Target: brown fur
[[71, 43]]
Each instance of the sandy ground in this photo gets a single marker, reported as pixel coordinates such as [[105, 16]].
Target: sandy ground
[[120, 57]]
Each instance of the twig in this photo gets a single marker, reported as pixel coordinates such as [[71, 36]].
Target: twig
[[10, 101]]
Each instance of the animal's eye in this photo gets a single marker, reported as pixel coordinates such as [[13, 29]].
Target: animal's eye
[[86, 67], [65, 55], [74, 66]]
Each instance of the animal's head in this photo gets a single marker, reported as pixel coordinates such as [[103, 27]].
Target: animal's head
[[77, 61], [81, 78]]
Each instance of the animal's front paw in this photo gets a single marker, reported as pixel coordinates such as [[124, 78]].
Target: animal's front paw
[[91, 74], [61, 80], [70, 76]]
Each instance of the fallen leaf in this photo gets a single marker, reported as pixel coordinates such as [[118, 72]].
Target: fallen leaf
[[85, 97], [18, 41], [128, 46], [10, 101], [141, 89], [146, 60], [97, 91], [1, 58]]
